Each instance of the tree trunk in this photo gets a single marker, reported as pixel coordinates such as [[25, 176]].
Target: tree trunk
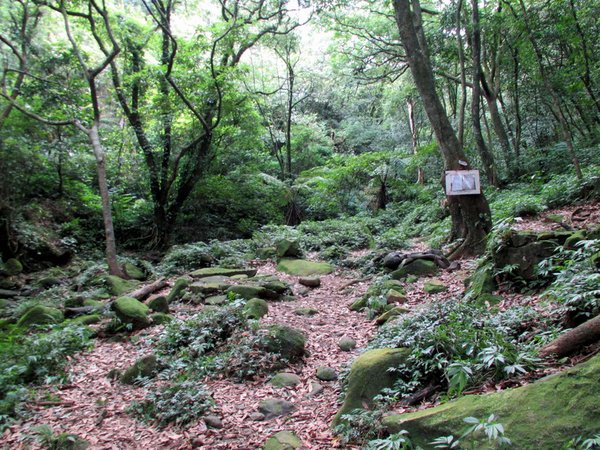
[[569, 342], [410, 104], [463, 77], [471, 218], [109, 232], [487, 158]]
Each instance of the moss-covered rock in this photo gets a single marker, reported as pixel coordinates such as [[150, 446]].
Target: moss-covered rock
[[132, 311], [326, 373], [13, 266], [285, 379], [359, 304], [133, 272], [143, 368], [215, 271], [87, 319], [48, 282], [481, 282], [216, 300], [275, 288], [346, 344], [595, 260], [541, 415], [159, 304], [161, 318], [273, 407], [571, 241], [434, 287], [419, 267], [368, 376], [306, 311], [386, 316], [312, 282], [488, 299], [177, 290], [40, 315], [118, 286], [284, 440], [94, 303], [303, 268], [248, 291], [285, 341], [255, 308], [289, 248], [395, 296], [203, 288]]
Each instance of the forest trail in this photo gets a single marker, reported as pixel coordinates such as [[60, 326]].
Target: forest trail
[[94, 407]]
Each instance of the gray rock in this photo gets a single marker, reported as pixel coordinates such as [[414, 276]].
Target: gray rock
[[347, 344], [315, 389], [285, 379], [273, 407], [312, 282], [213, 422], [256, 416], [326, 374]]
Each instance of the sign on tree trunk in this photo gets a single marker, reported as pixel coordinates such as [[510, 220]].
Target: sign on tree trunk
[[462, 182]]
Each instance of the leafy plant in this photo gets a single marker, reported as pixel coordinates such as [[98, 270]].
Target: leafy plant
[[63, 441], [396, 441], [489, 428], [359, 426]]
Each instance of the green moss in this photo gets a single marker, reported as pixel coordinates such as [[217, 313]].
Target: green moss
[[87, 319], [541, 415], [159, 304], [284, 440], [419, 267], [285, 341], [177, 289], [395, 296], [434, 287], [248, 291], [40, 315], [94, 303], [161, 318], [13, 266], [306, 311], [396, 311], [255, 308], [131, 311], [285, 379], [118, 286], [286, 247], [134, 272], [214, 271], [368, 376], [142, 368], [303, 268], [359, 304]]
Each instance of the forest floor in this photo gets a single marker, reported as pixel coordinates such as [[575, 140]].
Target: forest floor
[[94, 407]]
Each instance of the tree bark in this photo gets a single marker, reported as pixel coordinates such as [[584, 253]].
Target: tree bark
[[410, 104], [569, 342], [471, 217]]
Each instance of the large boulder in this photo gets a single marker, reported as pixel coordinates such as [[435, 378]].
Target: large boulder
[[40, 315], [369, 374], [132, 311], [285, 341], [303, 268], [419, 267], [215, 271], [541, 415]]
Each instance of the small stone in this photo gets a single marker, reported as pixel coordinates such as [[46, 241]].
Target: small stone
[[411, 279], [213, 422], [312, 282], [302, 291], [326, 374], [306, 311], [347, 344], [315, 389], [256, 416], [143, 368], [285, 379], [273, 407]]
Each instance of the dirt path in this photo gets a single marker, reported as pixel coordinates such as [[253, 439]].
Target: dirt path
[[93, 407]]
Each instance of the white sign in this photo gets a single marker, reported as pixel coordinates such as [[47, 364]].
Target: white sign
[[462, 182]]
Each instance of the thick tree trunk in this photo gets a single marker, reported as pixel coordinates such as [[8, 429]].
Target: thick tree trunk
[[463, 76], [471, 218], [585, 334], [109, 232]]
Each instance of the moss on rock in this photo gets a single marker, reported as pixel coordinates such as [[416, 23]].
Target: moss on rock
[[131, 311], [434, 287], [87, 319], [13, 266], [118, 286], [255, 308], [177, 290], [541, 415], [161, 318], [143, 368], [215, 271], [290, 248], [159, 304], [134, 272], [284, 440], [368, 376], [248, 291], [303, 268], [40, 315], [285, 341], [285, 379], [419, 267], [395, 311]]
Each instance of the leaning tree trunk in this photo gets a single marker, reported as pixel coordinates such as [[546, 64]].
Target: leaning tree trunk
[[109, 231], [573, 340], [471, 218]]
